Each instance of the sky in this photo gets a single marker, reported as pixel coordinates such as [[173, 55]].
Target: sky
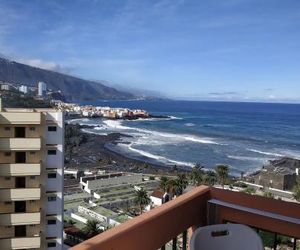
[[234, 50]]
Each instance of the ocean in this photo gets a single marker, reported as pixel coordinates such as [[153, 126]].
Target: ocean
[[244, 136]]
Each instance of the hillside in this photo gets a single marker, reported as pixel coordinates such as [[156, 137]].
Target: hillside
[[73, 88]]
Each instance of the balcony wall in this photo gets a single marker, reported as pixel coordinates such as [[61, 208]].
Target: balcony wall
[[9, 231], [10, 182], [20, 219], [20, 169], [21, 243], [21, 144], [20, 118], [31, 207], [20, 194], [157, 227]]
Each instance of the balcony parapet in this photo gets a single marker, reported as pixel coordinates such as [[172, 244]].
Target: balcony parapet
[[21, 243], [20, 194], [22, 144], [20, 118], [155, 228], [20, 169]]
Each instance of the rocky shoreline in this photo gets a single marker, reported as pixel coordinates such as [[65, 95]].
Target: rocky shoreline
[[94, 153]]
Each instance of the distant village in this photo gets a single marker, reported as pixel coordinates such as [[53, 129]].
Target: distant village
[[72, 110]]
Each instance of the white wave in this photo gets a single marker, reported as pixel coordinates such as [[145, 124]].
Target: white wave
[[158, 157], [91, 132], [117, 125], [265, 153], [189, 124], [176, 118], [247, 158]]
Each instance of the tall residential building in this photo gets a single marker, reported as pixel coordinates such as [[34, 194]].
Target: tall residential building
[[23, 89], [42, 87], [31, 178]]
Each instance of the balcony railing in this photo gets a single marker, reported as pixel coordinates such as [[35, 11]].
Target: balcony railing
[[20, 219], [20, 194], [20, 118], [20, 169], [199, 207], [21, 243], [24, 144]]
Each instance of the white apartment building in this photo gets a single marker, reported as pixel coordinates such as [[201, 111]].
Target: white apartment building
[[42, 87], [31, 178]]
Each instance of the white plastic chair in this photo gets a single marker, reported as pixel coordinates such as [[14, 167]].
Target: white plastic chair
[[226, 237]]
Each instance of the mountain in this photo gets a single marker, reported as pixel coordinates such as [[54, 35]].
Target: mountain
[[72, 88]]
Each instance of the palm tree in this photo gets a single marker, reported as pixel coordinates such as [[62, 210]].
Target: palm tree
[[179, 184], [222, 172], [196, 175], [210, 178], [297, 190], [91, 228], [164, 183], [142, 198]]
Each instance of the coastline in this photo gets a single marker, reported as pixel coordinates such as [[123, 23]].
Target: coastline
[[95, 153]]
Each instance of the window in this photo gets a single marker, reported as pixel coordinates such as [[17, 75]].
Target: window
[[52, 198], [51, 222], [32, 201], [52, 128], [32, 153], [51, 152], [32, 177], [32, 128], [51, 244], [7, 128], [7, 153], [6, 178], [52, 175]]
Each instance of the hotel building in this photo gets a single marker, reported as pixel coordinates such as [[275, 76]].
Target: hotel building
[[31, 178]]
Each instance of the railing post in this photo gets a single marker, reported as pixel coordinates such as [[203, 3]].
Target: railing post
[[184, 240], [174, 244]]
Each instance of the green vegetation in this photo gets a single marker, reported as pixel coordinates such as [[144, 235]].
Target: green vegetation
[[164, 183], [92, 228], [73, 138], [249, 190], [142, 199], [12, 99], [296, 190], [222, 173], [268, 195], [197, 175], [179, 184]]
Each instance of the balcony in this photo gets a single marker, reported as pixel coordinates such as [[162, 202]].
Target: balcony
[[199, 207], [20, 118], [21, 243], [23, 144], [20, 169], [20, 194], [20, 219]]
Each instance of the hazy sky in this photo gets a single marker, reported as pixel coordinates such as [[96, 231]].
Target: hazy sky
[[190, 49]]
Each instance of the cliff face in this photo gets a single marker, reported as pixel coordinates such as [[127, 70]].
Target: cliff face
[[73, 88]]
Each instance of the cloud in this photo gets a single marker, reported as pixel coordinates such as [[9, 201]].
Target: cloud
[[48, 65]]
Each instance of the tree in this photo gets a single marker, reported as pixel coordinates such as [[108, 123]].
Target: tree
[[142, 198], [91, 228], [197, 175], [179, 184], [210, 178], [164, 183], [296, 190], [222, 173]]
